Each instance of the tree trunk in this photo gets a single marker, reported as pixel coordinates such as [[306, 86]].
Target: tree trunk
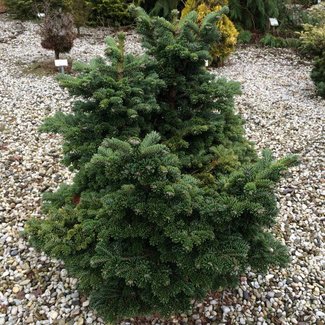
[[57, 55]]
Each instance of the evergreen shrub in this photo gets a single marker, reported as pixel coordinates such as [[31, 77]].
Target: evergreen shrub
[[316, 14], [80, 11], [280, 42], [227, 40], [254, 15], [161, 7], [169, 200], [27, 9], [318, 75], [245, 37], [109, 12], [312, 43], [312, 40], [20, 9]]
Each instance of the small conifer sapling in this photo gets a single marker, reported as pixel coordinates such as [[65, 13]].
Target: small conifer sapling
[[57, 32], [80, 11]]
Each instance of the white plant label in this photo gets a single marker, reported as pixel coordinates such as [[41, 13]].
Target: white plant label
[[40, 15], [274, 22], [206, 63], [61, 63]]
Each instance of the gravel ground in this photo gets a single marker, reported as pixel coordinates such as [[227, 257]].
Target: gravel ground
[[282, 113]]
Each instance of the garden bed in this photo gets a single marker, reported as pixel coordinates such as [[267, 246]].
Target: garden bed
[[282, 113]]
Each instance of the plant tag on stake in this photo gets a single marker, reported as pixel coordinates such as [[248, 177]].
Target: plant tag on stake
[[61, 64], [40, 15], [274, 22], [206, 62]]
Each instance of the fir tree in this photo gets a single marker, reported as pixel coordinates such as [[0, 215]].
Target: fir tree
[[118, 99], [153, 221], [192, 111], [197, 117], [143, 237]]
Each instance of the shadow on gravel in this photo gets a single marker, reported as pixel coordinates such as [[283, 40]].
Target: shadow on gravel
[[45, 68]]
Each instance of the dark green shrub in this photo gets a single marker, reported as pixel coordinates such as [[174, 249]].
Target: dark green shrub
[[272, 41], [254, 15], [161, 7], [27, 9], [275, 41], [318, 75], [80, 11], [244, 37], [109, 12], [153, 221], [21, 9]]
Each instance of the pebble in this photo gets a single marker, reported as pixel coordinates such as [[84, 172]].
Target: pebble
[[54, 314], [16, 289]]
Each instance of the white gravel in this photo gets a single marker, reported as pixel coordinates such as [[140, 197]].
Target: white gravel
[[282, 113]]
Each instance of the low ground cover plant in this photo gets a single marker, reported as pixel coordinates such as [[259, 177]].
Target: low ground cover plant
[[169, 200]]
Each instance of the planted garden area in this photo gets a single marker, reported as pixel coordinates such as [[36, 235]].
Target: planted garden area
[[162, 162]]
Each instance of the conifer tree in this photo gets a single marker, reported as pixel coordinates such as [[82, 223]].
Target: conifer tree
[[110, 12], [318, 75], [169, 200], [143, 237], [254, 15], [197, 117], [118, 99], [204, 128], [79, 10], [57, 31]]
